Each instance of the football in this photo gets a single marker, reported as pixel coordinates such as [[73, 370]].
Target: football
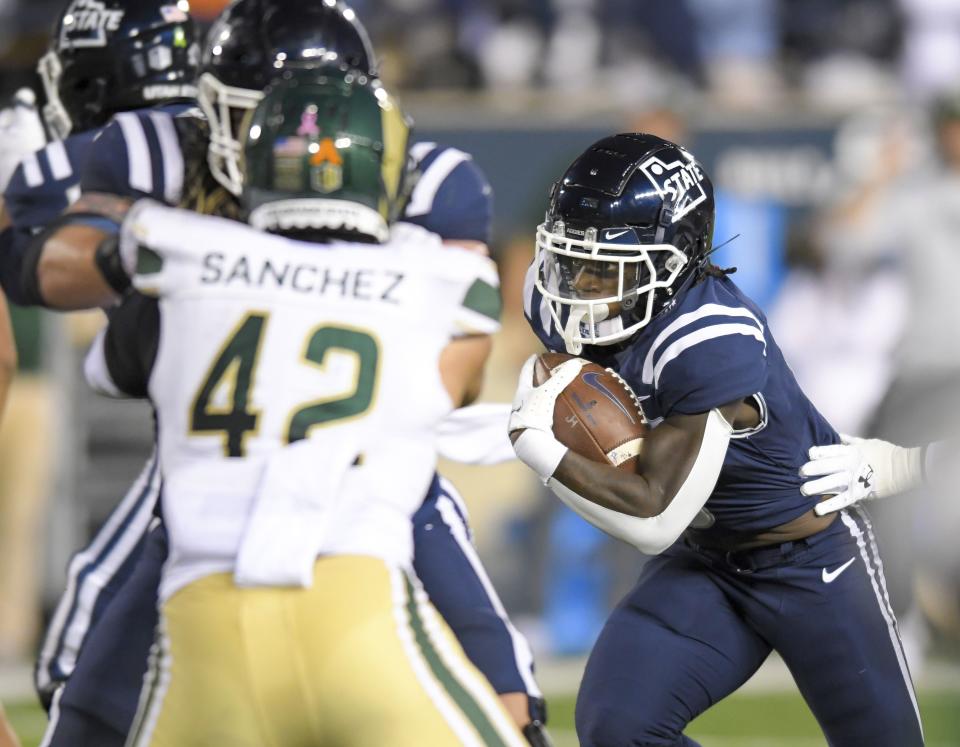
[[597, 415]]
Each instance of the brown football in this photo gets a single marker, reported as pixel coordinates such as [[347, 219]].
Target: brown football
[[597, 415]]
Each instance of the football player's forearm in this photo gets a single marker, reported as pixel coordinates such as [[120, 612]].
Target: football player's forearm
[[667, 459], [653, 534], [610, 487], [462, 364], [67, 275]]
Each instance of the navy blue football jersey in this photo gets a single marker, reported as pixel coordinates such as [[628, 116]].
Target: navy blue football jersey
[[43, 184], [141, 154], [451, 196], [714, 347], [46, 182]]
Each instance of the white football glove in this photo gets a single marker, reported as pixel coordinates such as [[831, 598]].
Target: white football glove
[[859, 469], [21, 133], [532, 413]]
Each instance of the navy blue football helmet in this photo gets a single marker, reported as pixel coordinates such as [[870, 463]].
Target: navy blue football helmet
[[108, 56], [253, 41], [629, 224]]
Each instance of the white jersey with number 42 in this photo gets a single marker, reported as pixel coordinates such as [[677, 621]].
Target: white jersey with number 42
[[297, 388]]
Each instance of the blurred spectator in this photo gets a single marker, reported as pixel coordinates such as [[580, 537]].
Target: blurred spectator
[[841, 52], [738, 42], [905, 209], [931, 46], [838, 321], [510, 53]]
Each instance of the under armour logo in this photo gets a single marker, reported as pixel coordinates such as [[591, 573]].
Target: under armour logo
[[867, 479]]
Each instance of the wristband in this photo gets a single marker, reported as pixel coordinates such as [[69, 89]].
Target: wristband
[[540, 451], [108, 261]]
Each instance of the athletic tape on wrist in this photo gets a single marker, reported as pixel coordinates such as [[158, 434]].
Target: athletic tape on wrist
[[540, 451]]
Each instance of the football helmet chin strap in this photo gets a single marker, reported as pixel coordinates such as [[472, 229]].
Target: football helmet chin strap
[[581, 315], [655, 534]]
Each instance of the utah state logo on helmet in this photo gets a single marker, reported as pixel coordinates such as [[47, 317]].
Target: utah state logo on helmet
[[628, 224], [109, 56]]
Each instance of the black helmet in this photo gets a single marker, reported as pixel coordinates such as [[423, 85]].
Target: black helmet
[[630, 221], [108, 56], [250, 43], [325, 156]]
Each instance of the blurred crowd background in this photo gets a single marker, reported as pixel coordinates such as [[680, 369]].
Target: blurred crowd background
[[832, 131]]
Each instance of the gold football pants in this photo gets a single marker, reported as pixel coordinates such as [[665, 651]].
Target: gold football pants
[[361, 658]]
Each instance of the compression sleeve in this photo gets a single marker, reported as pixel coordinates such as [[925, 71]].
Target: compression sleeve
[[655, 534]]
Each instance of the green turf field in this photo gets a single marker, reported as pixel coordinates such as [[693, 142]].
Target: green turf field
[[743, 720]]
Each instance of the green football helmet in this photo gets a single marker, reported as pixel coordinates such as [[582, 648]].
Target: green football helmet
[[325, 157]]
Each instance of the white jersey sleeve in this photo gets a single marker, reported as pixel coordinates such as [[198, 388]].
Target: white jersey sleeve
[[466, 283]]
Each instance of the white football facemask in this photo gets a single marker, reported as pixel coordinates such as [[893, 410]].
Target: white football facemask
[[55, 115], [600, 284], [225, 151]]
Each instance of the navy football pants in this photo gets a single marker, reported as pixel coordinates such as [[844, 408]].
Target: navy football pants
[[699, 623], [99, 701]]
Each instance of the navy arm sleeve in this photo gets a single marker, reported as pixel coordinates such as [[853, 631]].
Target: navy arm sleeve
[[131, 342]]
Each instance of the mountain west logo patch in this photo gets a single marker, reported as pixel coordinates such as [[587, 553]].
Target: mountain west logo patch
[[678, 183], [86, 23]]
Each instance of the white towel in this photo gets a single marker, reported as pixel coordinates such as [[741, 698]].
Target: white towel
[[285, 529]]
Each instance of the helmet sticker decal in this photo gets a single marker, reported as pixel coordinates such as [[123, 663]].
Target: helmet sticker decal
[[326, 174], [173, 14], [308, 122], [678, 181], [86, 23]]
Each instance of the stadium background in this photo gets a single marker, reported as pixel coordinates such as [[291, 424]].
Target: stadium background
[[809, 114]]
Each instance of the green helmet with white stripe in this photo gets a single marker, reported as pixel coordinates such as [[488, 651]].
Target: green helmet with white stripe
[[325, 156]]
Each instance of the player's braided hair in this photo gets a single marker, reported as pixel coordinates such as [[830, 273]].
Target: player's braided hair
[[714, 271], [202, 193], [709, 270]]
